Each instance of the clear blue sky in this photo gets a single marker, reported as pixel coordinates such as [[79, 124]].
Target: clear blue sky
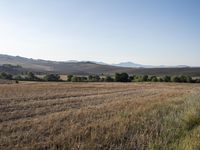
[[151, 32]]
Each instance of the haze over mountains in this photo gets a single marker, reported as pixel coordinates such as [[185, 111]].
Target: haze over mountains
[[89, 67], [132, 65], [135, 65]]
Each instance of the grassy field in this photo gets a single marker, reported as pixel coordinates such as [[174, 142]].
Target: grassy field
[[99, 116]]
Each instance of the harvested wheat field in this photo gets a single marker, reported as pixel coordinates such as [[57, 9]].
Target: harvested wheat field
[[58, 116]]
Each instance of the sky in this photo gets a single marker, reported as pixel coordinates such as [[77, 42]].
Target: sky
[[153, 32]]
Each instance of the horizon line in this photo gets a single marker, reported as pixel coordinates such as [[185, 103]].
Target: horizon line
[[105, 63]]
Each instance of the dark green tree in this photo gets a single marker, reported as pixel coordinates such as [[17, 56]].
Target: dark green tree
[[52, 77], [183, 78], [160, 79], [18, 77], [167, 78], [74, 79], [154, 79], [69, 77], [175, 79], [6, 76], [131, 78], [145, 78], [94, 78], [31, 76], [90, 77], [109, 79], [78, 79], [189, 79], [121, 77], [83, 79]]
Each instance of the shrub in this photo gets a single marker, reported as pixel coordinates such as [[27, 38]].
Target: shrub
[[189, 79], [18, 77], [78, 79], [83, 79], [137, 79], [102, 79], [153, 79], [6, 76], [94, 78], [175, 79], [197, 81], [74, 79], [182, 78], [31, 77], [109, 79], [52, 77]]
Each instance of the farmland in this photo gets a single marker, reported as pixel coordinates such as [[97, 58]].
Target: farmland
[[36, 115]]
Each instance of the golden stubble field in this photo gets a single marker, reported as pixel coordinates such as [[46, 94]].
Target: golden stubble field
[[99, 116]]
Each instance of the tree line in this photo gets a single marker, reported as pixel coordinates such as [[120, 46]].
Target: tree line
[[30, 76], [118, 77], [124, 77]]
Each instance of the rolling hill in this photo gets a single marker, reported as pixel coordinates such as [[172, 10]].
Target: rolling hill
[[83, 67], [69, 67]]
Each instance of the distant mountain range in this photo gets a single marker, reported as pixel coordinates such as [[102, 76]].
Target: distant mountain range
[[132, 65], [88, 67], [129, 64]]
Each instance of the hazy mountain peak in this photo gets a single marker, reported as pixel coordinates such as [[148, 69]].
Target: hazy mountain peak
[[129, 64]]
